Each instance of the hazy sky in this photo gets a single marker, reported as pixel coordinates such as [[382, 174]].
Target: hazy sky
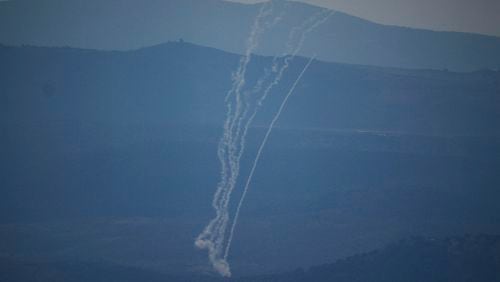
[[479, 16]]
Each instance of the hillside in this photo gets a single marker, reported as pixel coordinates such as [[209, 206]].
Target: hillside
[[182, 83], [132, 24], [112, 156], [470, 258]]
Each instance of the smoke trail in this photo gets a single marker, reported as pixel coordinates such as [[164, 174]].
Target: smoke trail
[[212, 237], [231, 148], [259, 152], [234, 134], [290, 53], [305, 28], [235, 129]]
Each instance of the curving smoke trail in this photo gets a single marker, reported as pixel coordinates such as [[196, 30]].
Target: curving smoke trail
[[259, 153], [232, 144], [290, 53], [212, 237]]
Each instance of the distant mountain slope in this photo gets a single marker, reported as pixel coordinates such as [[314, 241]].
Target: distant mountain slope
[[457, 259], [14, 270], [130, 24], [471, 258], [360, 157], [181, 83], [18, 270]]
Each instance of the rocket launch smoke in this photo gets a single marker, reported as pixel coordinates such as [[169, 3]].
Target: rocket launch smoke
[[306, 27], [212, 237], [259, 153], [239, 116]]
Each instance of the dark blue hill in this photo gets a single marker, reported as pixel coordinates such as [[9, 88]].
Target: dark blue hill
[[132, 24]]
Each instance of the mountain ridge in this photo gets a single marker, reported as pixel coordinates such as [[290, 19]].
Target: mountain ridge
[[392, 87], [91, 134], [225, 25], [457, 258]]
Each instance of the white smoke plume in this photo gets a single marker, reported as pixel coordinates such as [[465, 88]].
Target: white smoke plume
[[232, 144], [291, 51], [259, 153], [212, 237]]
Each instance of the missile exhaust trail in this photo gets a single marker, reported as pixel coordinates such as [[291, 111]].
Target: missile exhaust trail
[[259, 153], [239, 115]]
